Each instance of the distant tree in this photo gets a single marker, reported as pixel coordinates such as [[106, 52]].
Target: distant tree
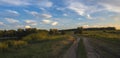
[[21, 33], [79, 30], [53, 31], [11, 33], [63, 32], [1, 33]]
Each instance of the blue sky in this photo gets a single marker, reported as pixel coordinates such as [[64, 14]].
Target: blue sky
[[61, 14]]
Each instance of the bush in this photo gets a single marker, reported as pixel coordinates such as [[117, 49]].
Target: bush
[[18, 44], [36, 37], [3, 46]]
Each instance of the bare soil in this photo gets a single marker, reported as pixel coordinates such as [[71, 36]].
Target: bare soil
[[91, 52], [71, 53]]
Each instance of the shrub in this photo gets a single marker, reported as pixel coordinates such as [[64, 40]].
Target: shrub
[[36, 37], [3, 46], [18, 44]]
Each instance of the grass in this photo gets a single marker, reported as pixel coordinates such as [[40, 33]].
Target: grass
[[106, 44], [53, 47], [81, 52]]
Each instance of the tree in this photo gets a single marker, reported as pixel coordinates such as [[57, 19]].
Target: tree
[[79, 30], [63, 32], [21, 33], [53, 31]]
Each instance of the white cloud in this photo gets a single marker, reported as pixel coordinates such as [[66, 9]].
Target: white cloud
[[39, 3], [45, 3], [14, 2], [112, 8], [27, 26], [46, 21], [78, 8], [13, 12], [46, 15], [1, 23], [11, 20], [61, 9], [43, 9], [85, 26], [82, 9], [89, 17], [31, 22], [34, 13], [54, 23], [110, 2], [65, 14]]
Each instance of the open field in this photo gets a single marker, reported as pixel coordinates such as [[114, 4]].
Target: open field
[[106, 43], [53, 47], [92, 44]]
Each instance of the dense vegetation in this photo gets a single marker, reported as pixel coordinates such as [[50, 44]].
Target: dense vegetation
[[36, 44]]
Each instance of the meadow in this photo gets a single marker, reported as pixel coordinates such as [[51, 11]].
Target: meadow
[[106, 42], [36, 45], [32, 43]]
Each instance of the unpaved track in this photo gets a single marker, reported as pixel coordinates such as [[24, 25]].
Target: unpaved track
[[71, 53], [91, 53]]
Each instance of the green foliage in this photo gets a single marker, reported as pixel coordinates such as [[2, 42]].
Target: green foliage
[[18, 44], [53, 32], [36, 37], [53, 48], [3, 46], [79, 30]]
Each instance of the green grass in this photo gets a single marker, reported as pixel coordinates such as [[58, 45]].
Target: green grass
[[81, 52], [52, 48], [106, 44]]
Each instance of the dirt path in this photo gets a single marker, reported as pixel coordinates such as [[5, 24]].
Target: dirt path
[[71, 53], [91, 53]]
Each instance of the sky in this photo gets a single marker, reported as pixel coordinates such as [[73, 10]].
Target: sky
[[60, 14]]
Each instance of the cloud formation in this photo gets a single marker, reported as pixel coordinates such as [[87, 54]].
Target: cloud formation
[[13, 12], [30, 22], [46, 21], [1, 23], [54, 23], [11, 20], [62, 14]]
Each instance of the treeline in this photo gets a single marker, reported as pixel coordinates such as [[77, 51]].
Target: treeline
[[90, 29], [102, 28], [19, 33]]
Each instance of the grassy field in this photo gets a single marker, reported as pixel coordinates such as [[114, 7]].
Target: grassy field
[[81, 52], [51, 47], [106, 43]]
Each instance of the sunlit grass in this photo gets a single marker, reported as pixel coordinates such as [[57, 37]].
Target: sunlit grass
[[47, 46], [106, 43]]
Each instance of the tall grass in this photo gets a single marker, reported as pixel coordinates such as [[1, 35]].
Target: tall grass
[[38, 45]]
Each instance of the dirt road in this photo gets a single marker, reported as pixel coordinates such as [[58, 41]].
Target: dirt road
[[71, 53], [91, 53]]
